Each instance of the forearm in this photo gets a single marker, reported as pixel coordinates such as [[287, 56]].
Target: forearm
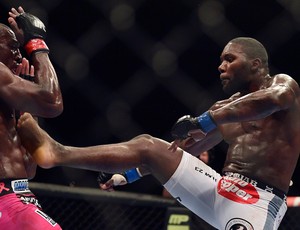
[[31, 32], [45, 76], [212, 139], [254, 106]]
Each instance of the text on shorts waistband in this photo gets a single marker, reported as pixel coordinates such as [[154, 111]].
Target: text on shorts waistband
[[258, 184], [13, 186]]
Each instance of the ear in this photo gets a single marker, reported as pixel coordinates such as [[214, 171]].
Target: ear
[[255, 64]]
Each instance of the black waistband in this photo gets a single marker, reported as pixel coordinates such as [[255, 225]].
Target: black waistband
[[18, 186], [258, 184]]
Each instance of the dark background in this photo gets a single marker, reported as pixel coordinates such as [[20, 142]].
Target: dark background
[[136, 66]]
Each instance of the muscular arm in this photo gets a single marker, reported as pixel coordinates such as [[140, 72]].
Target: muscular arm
[[279, 94], [42, 98], [49, 92]]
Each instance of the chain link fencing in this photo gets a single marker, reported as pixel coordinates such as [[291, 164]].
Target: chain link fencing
[[91, 209]]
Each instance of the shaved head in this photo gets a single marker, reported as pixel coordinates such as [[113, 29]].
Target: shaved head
[[252, 48]]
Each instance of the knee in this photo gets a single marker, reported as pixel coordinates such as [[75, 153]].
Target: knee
[[145, 144], [145, 141]]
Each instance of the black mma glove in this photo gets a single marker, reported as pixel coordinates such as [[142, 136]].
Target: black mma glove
[[104, 177], [185, 124], [32, 26], [34, 33]]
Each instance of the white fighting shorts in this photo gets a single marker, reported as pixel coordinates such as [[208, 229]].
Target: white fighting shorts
[[227, 202]]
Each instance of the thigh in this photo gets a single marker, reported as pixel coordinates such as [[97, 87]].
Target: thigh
[[194, 185], [16, 215], [248, 207]]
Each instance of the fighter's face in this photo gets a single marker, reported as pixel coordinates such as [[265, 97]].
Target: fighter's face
[[235, 69], [10, 54]]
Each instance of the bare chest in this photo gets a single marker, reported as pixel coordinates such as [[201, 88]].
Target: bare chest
[[235, 130]]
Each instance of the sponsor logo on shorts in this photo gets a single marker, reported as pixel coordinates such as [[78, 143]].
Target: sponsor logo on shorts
[[46, 217], [238, 224], [237, 190], [244, 178], [30, 200], [20, 186]]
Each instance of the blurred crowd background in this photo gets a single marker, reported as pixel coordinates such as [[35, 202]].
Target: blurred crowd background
[[128, 67]]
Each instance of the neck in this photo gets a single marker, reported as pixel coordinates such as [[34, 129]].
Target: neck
[[259, 83], [265, 81]]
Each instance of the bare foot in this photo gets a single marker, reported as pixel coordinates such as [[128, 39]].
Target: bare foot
[[36, 141]]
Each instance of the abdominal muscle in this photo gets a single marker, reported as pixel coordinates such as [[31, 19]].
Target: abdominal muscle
[[270, 163], [13, 159]]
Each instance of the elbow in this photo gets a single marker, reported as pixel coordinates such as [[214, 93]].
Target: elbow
[[285, 98], [53, 105], [51, 108], [54, 110]]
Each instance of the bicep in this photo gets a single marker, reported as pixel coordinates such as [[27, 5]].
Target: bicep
[[18, 93]]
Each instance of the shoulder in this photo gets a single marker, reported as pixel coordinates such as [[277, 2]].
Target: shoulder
[[4, 68], [285, 79], [281, 77], [286, 85]]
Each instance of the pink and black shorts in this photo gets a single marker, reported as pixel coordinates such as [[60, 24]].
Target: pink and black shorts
[[19, 208]]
